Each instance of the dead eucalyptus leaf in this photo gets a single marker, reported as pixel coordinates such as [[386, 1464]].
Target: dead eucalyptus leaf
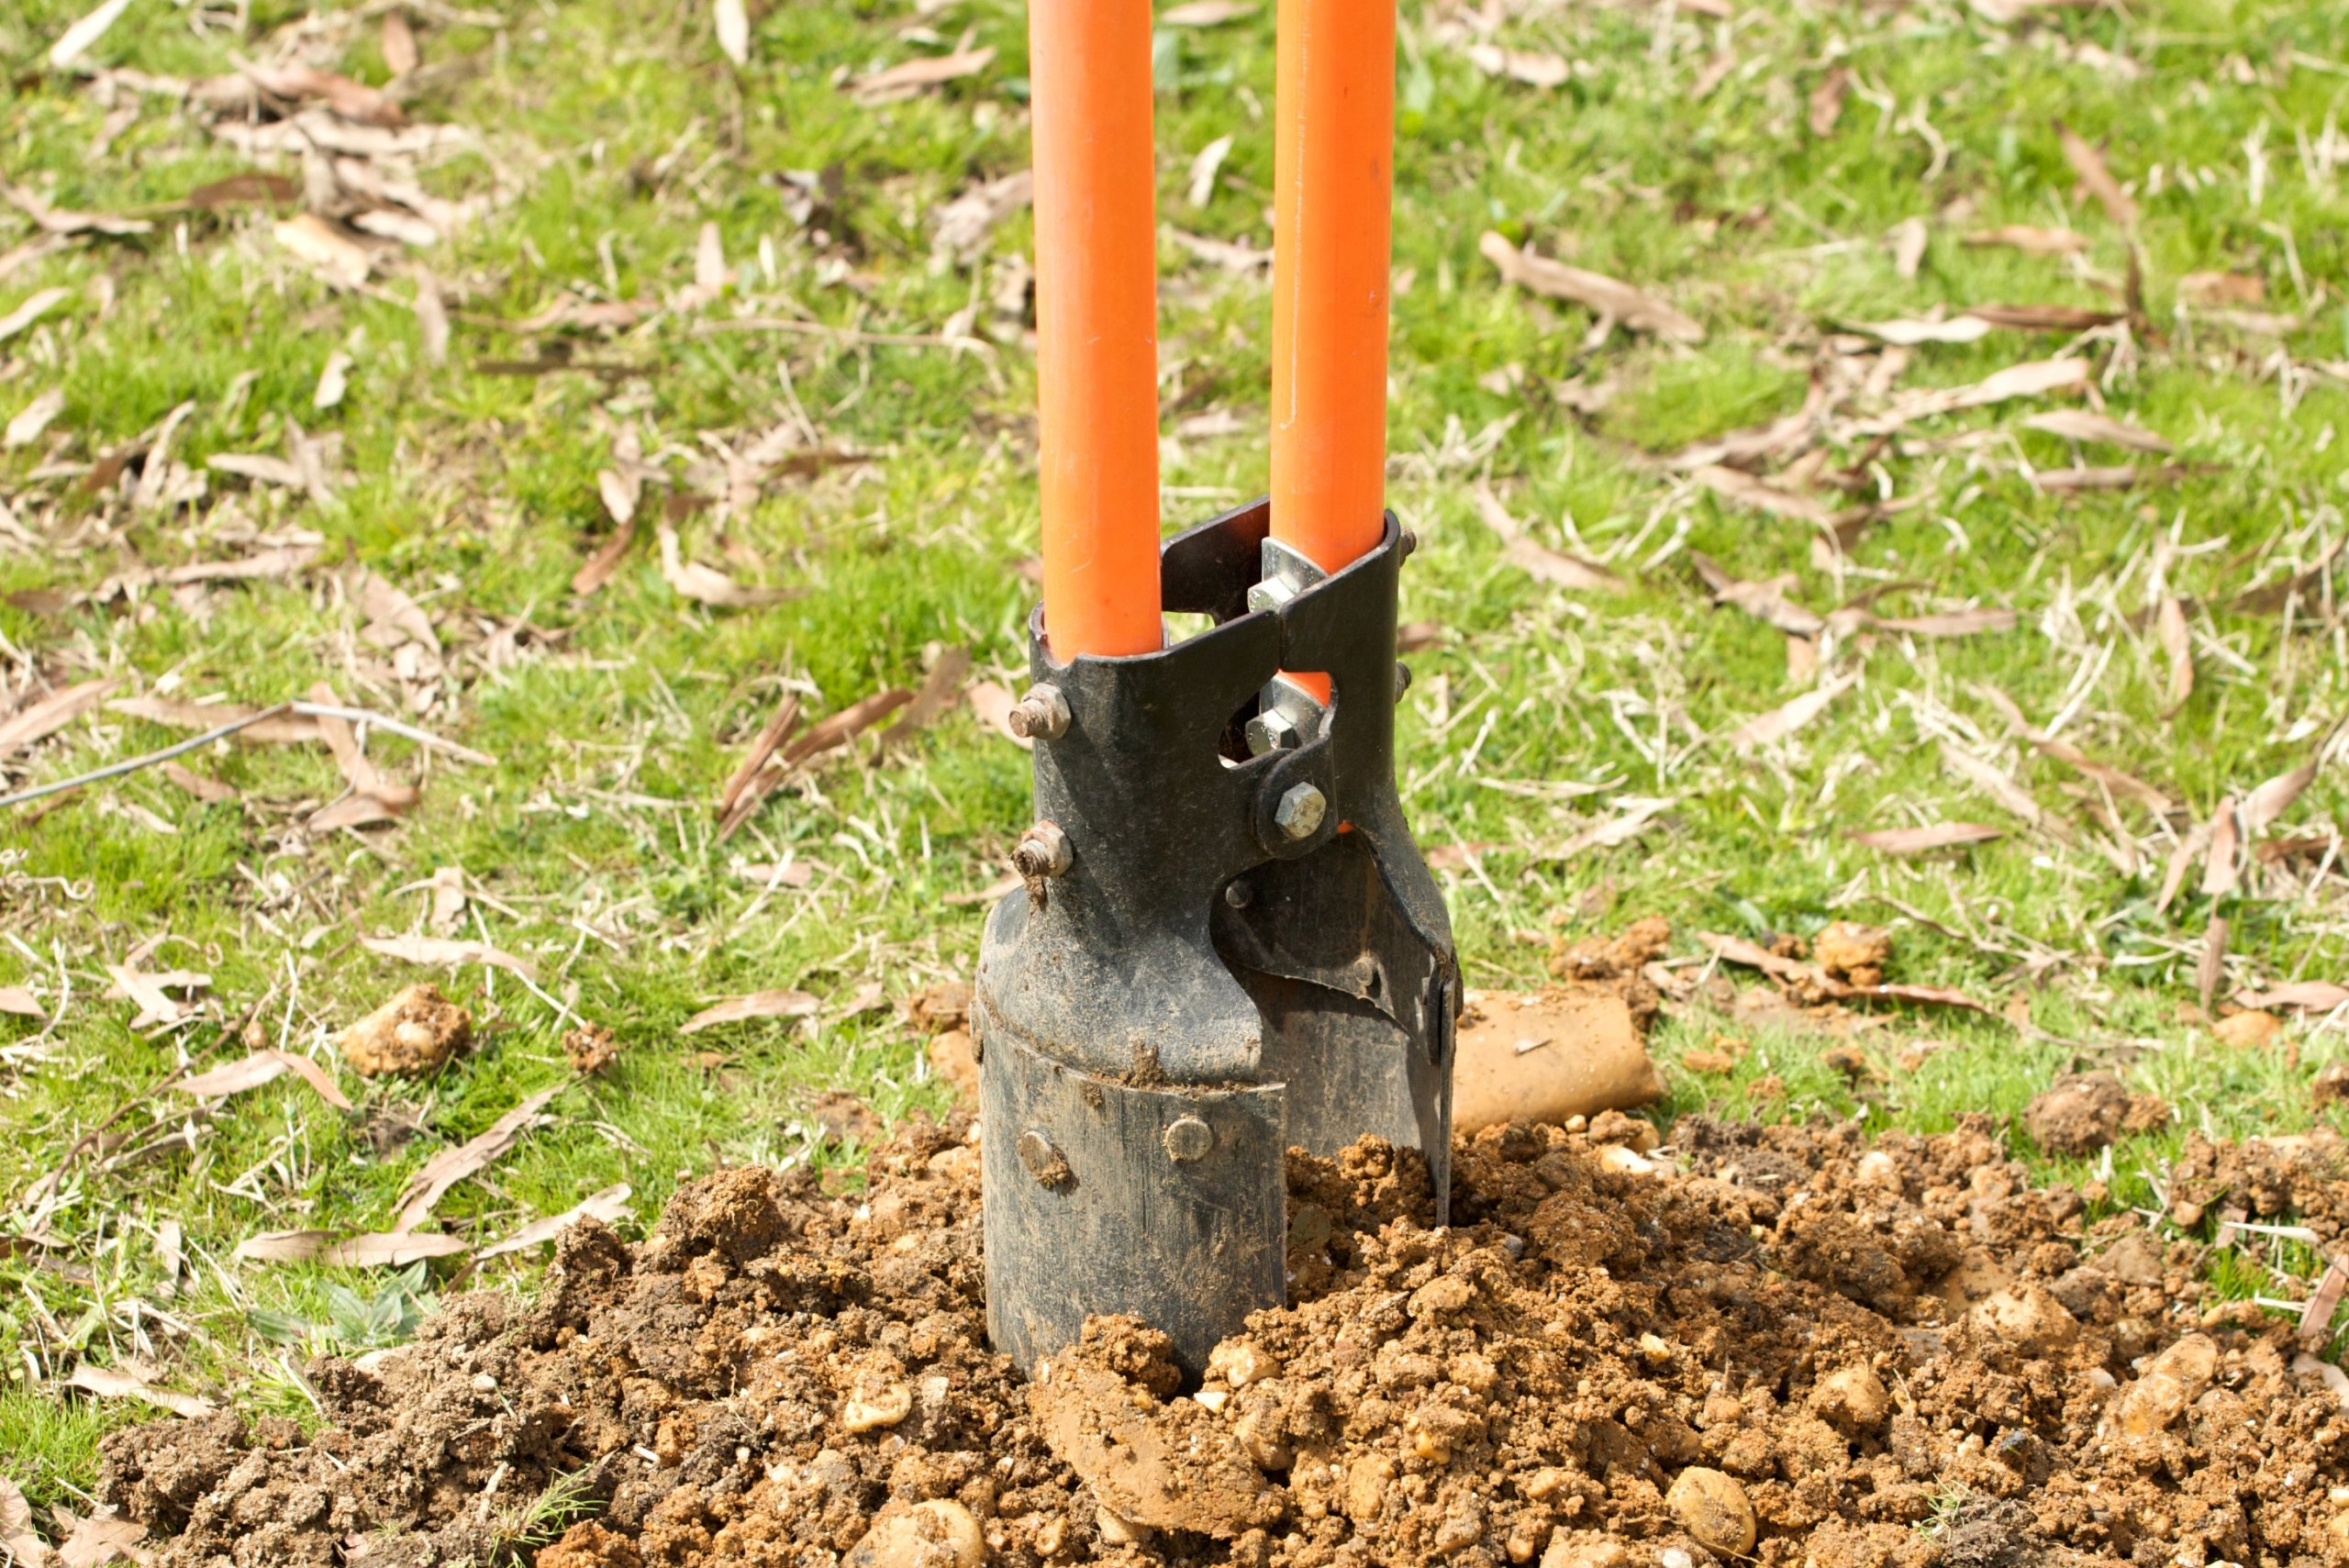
[[261, 1067], [919, 75], [1827, 101], [2306, 996], [706, 585], [2032, 241], [992, 702], [2221, 862], [16, 1535], [1745, 489], [1924, 841], [316, 243], [2088, 164], [109, 1383], [2081, 425], [2263, 805], [610, 1205], [2178, 642], [940, 689], [758, 1005], [394, 1251], [1608, 298], [54, 713], [1765, 602], [17, 1000], [1766, 728], [445, 950], [449, 1167]]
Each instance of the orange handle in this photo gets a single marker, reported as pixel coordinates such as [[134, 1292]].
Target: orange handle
[[1333, 180], [1096, 324]]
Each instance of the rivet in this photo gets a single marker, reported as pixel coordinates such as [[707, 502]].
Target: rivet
[[1189, 1139]]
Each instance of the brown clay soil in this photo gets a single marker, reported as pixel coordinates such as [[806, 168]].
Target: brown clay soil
[[1784, 1344]]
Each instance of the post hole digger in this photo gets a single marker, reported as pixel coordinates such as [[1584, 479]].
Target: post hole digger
[[1228, 943]]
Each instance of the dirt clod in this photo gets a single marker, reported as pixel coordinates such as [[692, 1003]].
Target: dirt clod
[[416, 1031], [1853, 953], [1892, 1355], [590, 1048], [2248, 1030], [2331, 1085], [1713, 1508], [952, 1059], [2085, 1111]]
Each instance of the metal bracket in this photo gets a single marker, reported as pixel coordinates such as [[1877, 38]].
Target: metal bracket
[[1241, 952]]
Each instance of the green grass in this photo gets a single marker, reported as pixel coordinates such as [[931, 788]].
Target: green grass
[[611, 131]]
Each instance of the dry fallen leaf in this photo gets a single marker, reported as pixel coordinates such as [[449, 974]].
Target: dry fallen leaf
[[706, 585], [109, 1384], [940, 689], [1908, 333], [610, 1205], [33, 418], [32, 310], [2178, 642], [1827, 101], [1991, 780], [917, 75], [758, 1005], [1206, 13], [1609, 299], [992, 702], [54, 713], [2088, 164], [1745, 489], [16, 1535], [392, 1251], [1534, 68], [2121, 783], [105, 1537], [2033, 241], [2222, 860], [1817, 982], [2221, 288], [286, 729], [2125, 476], [1766, 728], [1538, 560], [343, 262], [260, 1068], [2263, 805], [2307, 996], [75, 40], [1924, 841], [1765, 602], [733, 26], [447, 952], [17, 1000], [150, 991], [1634, 815], [2080, 424], [375, 796], [449, 1167], [770, 736], [600, 566]]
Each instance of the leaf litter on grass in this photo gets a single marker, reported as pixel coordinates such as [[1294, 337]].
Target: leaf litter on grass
[[1863, 471]]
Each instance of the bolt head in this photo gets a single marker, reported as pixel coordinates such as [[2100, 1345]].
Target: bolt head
[[1042, 851], [1300, 812], [1045, 1162], [1402, 681], [1042, 714], [1273, 731], [1239, 895], [1189, 1139]]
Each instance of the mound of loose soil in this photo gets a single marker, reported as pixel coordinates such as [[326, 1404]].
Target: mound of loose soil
[[1779, 1343]]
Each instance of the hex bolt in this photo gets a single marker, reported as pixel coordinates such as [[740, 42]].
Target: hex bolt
[[1239, 895], [1043, 851], [1273, 731], [1410, 543], [1300, 811], [1402, 681], [1042, 714], [1189, 1139]]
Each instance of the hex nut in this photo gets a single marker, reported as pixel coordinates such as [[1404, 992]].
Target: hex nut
[[1402, 680], [1042, 714], [1043, 851], [1273, 731], [1189, 1139], [1300, 811]]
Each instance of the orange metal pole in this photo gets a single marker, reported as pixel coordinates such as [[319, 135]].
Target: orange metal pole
[[1334, 179], [1096, 324]]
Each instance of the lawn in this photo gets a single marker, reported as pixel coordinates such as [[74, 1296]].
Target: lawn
[[464, 288]]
